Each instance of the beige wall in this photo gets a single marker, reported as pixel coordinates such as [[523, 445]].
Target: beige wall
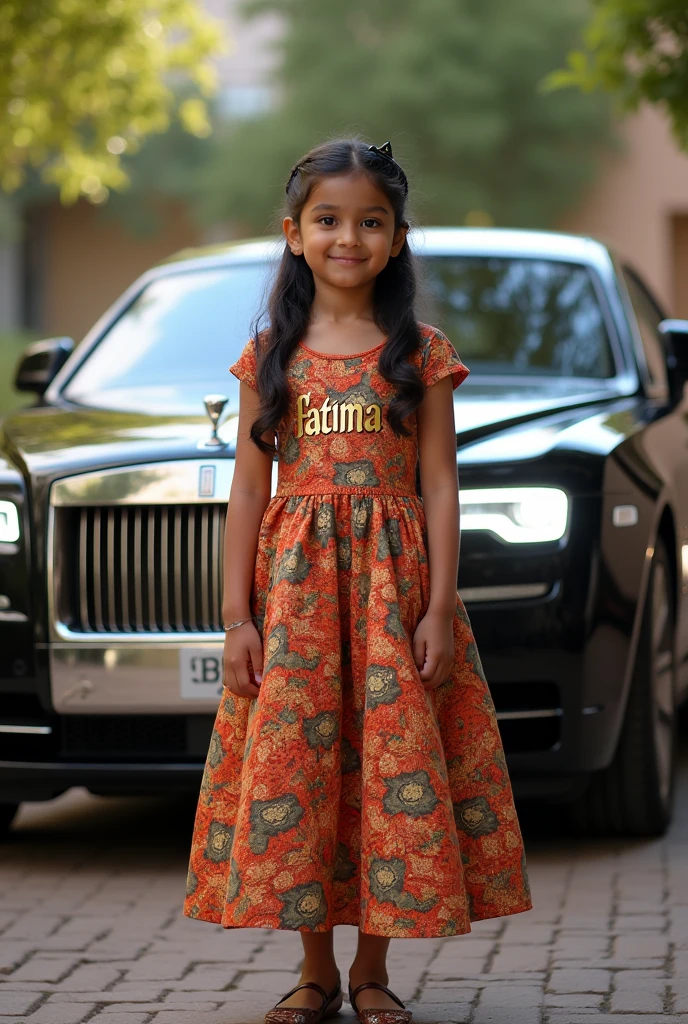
[[88, 260], [635, 203]]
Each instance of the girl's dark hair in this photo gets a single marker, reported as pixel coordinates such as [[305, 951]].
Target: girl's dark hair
[[279, 328]]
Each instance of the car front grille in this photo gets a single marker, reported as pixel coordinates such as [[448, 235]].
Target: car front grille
[[140, 568]]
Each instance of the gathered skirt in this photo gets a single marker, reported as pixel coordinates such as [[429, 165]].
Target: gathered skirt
[[346, 793]]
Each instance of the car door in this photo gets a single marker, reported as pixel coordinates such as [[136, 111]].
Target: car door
[[666, 443]]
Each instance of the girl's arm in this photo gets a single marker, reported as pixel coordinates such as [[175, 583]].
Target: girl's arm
[[433, 642], [248, 500]]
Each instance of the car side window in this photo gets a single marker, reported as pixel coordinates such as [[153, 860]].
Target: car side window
[[649, 316]]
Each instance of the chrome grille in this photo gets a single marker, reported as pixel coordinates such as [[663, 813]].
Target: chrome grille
[[141, 568]]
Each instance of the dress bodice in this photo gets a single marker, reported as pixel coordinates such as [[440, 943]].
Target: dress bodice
[[336, 437]]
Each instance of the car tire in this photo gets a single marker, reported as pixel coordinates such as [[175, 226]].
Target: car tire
[[7, 816], [634, 795]]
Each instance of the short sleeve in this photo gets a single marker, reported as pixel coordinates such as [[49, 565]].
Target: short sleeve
[[440, 359], [246, 366]]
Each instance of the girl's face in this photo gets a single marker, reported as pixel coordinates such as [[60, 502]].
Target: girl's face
[[346, 231]]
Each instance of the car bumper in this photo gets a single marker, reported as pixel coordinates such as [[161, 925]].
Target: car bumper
[[553, 737], [38, 780]]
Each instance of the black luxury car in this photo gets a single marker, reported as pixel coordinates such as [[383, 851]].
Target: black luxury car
[[572, 445]]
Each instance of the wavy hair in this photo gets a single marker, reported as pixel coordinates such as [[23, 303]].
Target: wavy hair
[[285, 319]]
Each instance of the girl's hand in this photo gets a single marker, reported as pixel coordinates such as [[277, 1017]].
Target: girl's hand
[[243, 649], [433, 648]]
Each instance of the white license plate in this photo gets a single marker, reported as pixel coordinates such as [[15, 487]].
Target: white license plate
[[200, 672]]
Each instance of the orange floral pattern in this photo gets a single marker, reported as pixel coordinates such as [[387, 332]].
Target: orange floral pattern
[[346, 793]]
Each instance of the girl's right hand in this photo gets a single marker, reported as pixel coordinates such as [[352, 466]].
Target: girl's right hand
[[243, 650]]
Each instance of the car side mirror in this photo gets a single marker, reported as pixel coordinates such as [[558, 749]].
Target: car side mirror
[[675, 334], [40, 363]]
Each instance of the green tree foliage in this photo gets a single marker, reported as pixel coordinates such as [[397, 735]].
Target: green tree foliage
[[638, 50], [167, 167], [164, 166], [83, 82], [457, 86]]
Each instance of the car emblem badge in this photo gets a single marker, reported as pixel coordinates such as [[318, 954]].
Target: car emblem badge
[[214, 406], [206, 482]]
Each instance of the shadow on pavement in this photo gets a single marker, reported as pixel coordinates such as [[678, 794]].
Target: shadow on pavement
[[78, 816]]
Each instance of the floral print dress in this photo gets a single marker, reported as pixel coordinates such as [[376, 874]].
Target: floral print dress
[[346, 793]]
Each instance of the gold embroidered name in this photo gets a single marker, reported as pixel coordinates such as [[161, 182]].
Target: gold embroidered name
[[336, 417]]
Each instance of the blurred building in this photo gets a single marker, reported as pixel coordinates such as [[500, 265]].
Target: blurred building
[[639, 205], [74, 261]]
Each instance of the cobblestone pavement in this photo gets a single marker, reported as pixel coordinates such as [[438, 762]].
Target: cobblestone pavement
[[90, 929]]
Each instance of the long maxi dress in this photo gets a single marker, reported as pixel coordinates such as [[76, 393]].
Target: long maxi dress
[[346, 793]]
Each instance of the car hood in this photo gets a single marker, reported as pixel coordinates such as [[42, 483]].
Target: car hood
[[492, 423], [50, 437]]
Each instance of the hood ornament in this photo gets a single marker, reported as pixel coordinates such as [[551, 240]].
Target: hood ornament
[[214, 406]]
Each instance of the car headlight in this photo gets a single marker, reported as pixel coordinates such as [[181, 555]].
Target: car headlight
[[518, 515], [9, 522]]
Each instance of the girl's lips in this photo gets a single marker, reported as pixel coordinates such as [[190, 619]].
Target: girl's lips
[[347, 260]]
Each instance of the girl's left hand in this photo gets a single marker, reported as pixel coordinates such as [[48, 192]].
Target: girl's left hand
[[433, 648]]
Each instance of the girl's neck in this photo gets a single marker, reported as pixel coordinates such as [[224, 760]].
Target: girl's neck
[[342, 305]]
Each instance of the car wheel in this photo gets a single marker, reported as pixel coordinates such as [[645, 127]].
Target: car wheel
[[7, 815], [634, 795]]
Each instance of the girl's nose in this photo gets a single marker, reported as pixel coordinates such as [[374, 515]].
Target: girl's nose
[[348, 237]]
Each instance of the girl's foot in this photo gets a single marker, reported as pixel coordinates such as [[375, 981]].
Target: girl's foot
[[308, 1003], [374, 1003]]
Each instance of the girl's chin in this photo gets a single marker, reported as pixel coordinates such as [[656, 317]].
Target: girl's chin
[[347, 280], [349, 273]]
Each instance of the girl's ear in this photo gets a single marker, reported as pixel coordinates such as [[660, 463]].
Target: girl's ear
[[398, 240], [293, 235]]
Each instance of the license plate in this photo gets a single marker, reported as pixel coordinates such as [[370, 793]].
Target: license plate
[[200, 673]]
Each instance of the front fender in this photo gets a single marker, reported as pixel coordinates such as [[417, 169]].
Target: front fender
[[620, 588]]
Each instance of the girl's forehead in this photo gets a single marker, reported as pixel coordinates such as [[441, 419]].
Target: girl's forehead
[[348, 191]]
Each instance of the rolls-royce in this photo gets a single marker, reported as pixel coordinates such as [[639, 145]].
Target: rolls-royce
[[572, 448]]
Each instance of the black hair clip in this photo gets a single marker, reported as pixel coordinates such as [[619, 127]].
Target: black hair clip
[[295, 171], [385, 150], [386, 153]]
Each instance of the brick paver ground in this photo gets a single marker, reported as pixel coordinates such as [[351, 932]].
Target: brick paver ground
[[90, 929]]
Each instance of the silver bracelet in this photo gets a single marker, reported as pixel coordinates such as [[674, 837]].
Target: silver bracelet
[[235, 625]]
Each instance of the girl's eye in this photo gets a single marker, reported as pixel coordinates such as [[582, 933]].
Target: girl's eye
[[371, 222], [327, 221]]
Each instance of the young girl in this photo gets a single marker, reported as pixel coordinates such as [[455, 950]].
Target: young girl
[[355, 774]]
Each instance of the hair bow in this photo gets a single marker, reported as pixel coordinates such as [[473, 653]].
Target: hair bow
[[385, 152]]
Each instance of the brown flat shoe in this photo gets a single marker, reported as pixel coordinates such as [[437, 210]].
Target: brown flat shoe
[[331, 1004], [402, 1016]]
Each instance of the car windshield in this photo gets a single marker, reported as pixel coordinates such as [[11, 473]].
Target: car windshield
[[532, 318], [529, 317]]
